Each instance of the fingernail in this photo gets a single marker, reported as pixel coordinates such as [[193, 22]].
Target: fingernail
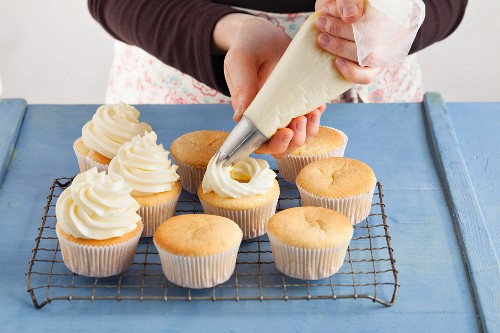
[[324, 9], [300, 126], [286, 139], [324, 40], [340, 62], [350, 11], [321, 23]]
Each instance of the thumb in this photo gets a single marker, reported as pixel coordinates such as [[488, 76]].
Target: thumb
[[240, 70], [350, 11]]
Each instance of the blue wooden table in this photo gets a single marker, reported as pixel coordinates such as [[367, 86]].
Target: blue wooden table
[[440, 167]]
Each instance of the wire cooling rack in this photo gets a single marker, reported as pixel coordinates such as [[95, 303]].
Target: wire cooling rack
[[368, 271]]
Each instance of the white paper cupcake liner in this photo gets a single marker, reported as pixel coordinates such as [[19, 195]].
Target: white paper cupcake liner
[[308, 264], [356, 208], [253, 222], [198, 272], [290, 165], [98, 261], [190, 176], [153, 216], [85, 163]]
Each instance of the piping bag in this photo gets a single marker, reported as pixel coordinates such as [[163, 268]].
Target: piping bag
[[306, 76]]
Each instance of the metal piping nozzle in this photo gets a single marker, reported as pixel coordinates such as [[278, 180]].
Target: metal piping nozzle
[[241, 142]]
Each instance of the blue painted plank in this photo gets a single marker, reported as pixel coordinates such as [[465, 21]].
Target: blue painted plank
[[475, 240], [479, 145], [11, 117], [434, 296]]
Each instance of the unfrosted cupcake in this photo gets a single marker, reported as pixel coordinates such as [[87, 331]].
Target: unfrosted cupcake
[[246, 193], [146, 168], [197, 250], [329, 142], [191, 152], [111, 126], [342, 184], [97, 224], [309, 243]]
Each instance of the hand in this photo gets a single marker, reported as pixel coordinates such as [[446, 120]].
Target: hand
[[337, 37], [254, 46]]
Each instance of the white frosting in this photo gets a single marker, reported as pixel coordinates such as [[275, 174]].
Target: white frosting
[[254, 177], [97, 206], [112, 126], [144, 165]]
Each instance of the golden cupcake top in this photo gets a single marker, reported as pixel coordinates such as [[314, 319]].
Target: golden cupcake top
[[310, 227], [337, 177], [325, 141], [197, 235], [197, 148]]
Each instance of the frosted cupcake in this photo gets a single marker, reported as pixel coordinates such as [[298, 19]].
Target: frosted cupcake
[[342, 184], [246, 193], [309, 243], [191, 152], [198, 250], [97, 224], [110, 127], [329, 142], [146, 168]]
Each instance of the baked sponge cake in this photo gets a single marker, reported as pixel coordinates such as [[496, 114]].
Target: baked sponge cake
[[146, 168], [342, 184], [98, 227], [309, 243], [198, 250], [110, 127], [192, 152], [329, 142], [246, 193]]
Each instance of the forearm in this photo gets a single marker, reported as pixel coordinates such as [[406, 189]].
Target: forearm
[[177, 32], [441, 19]]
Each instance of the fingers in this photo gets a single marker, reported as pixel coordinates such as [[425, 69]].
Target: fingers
[[334, 26], [355, 73], [241, 76], [278, 143], [350, 11], [299, 127], [338, 46], [313, 120]]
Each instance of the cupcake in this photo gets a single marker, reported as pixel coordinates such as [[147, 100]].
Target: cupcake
[[309, 243], [338, 183], [97, 224], [329, 142], [197, 250], [110, 127], [146, 169], [246, 193], [191, 152]]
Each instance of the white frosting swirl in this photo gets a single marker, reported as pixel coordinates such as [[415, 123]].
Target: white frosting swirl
[[97, 206], [112, 126], [246, 178], [144, 165]]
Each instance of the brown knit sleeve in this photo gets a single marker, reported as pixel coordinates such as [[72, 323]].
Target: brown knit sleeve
[[442, 17], [177, 32]]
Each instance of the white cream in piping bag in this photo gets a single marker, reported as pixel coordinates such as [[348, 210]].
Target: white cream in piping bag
[[246, 178], [144, 165], [97, 206], [305, 78]]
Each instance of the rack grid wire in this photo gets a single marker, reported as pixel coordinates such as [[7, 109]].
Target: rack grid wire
[[368, 271]]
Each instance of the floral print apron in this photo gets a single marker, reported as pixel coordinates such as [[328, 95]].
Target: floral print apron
[[138, 78]]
